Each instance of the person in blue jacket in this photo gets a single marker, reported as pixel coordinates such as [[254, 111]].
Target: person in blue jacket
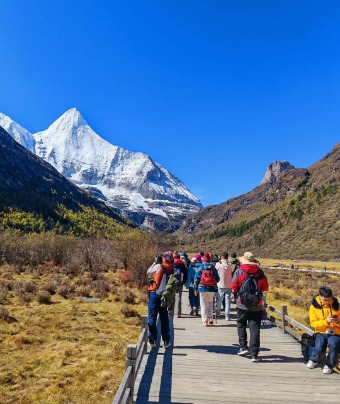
[[194, 300], [205, 283]]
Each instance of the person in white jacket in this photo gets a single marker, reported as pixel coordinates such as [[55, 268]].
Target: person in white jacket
[[224, 270]]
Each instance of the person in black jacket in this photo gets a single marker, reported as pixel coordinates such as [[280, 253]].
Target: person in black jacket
[[181, 273]]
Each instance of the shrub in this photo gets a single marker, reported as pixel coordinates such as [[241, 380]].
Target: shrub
[[127, 296], [43, 296], [84, 290], [143, 297], [101, 288], [31, 287], [3, 293], [299, 302], [4, 313], [128, 312], [126, 276], [51, 287], [65, 289]]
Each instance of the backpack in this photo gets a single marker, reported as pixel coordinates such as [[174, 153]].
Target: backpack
[[179, 275], [207, 276], [248, 293]]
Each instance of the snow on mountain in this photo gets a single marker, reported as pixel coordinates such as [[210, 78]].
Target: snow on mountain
[[18, 133], [131, 182]]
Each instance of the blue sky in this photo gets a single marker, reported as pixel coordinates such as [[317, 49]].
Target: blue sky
[[214, 90]]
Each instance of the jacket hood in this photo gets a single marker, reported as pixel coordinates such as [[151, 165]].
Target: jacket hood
[[249, 268], [316, 302]]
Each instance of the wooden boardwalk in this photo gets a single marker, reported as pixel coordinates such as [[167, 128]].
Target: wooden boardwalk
[[202, 367]]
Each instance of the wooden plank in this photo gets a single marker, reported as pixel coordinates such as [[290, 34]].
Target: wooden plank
[[210, 354]]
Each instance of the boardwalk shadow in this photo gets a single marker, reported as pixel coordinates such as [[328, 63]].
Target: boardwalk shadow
[[166, 373], [280, 359], [221, 349]]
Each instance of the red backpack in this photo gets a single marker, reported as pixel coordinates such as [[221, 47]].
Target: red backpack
[[208, 277]]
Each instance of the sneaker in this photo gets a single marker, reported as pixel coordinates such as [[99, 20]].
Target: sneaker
[[311, 364], [243, 351], [166, 344], [152, 343], [326, 370], [255, 358], [227, 318]]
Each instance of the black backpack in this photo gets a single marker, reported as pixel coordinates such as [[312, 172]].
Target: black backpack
[[248, 293]]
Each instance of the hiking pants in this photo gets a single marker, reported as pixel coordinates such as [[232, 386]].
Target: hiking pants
[[179, 291], [223, 293], [321, 343], [154, 307], [253, 319], [207, 305], [194, 301]]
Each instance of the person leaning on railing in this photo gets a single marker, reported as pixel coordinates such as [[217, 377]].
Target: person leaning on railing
[[324, 316]]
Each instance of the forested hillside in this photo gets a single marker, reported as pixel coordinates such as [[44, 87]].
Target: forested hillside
[[296, 216]]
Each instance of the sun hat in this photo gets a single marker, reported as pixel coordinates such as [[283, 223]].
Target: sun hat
[[248, 258]]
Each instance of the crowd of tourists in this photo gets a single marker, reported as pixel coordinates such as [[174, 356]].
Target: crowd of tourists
[[213, 283]]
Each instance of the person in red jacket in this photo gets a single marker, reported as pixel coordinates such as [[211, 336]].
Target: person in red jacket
[[249, 282]]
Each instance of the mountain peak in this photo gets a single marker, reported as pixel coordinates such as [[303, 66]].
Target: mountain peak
[[274, 170], [17, 132], [71, 119]]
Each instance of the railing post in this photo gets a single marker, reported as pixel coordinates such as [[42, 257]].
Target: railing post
[[145, 325], [131, 356], [284, 311]]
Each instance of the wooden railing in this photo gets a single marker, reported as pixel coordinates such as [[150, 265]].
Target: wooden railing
[[134, 355], [287, 323]]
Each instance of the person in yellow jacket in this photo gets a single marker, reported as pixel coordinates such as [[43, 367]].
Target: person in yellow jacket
[[324, 316]]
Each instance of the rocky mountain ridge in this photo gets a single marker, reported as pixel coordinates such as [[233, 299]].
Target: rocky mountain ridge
[[296, 214]]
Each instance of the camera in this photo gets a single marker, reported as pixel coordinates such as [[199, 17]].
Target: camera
[[329, 331]]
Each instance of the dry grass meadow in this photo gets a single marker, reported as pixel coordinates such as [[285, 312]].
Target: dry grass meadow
[[64, 350], [56, 348]]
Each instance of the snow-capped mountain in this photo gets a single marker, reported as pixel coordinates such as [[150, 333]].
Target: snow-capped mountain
[[131, 182], [18, 133]]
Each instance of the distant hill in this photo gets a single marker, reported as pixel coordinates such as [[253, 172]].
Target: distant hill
[[292, 214], [35, 197]]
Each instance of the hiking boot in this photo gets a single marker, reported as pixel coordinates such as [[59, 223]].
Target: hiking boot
[[152, 343], [326, 370], [166, 344], [196, 312], [255, 358], [311, 364], [191, 312], [243, 351]]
